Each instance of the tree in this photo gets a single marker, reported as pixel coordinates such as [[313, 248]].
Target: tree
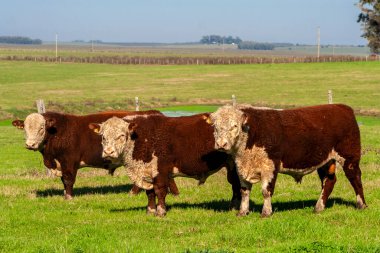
[[251, 45], [370, 19], [19, 40], [216, 39]]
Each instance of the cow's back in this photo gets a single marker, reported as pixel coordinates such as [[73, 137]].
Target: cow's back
[[74, 141], [183, 142], [303, 137]]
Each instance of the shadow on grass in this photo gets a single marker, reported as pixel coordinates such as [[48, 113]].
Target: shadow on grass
[[79, 191], [223, 205]]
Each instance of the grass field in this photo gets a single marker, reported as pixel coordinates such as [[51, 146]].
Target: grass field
[[104, 218], [82, 88]]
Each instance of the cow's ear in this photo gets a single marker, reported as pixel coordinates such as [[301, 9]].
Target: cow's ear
[[244, 126], [207, 119], [50, 122], [132, 129], [18, 123], [132, 126], [94, 127]]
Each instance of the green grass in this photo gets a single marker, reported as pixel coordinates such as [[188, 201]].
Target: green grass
[[104, 218], [83, 88]]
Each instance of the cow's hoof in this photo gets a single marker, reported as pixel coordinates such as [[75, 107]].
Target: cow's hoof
[[174, 194], [235, 204], [265, 215], [132, 193], [68, 197], [161, 212], [150, 211], [319, 207], [242, 213], [361, 206]]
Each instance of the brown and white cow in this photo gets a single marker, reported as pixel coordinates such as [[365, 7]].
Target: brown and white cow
[[155, 148], [266, 142], [67, 144]]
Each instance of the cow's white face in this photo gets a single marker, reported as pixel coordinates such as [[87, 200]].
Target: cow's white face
[[114, 134], [227, 122], [35, 130]]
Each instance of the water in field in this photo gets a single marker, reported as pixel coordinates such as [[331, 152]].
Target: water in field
[[177, 113]]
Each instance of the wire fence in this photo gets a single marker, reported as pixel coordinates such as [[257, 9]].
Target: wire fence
[[207, 60]]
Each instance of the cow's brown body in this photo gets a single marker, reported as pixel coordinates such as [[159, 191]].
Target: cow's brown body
[[69, 144], [294, 142], [182, 146]]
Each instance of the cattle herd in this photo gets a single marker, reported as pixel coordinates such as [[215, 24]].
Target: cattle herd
[[253, 144]]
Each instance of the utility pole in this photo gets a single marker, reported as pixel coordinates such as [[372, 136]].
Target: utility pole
[[56, 46], [318, 41]]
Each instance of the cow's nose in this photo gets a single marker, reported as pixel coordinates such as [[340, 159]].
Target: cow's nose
[[108, 152], [30, 145], [222, 144]]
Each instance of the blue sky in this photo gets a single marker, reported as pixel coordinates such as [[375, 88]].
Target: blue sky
[[293, 21]]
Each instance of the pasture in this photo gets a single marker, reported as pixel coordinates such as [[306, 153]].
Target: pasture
[[104, 218]]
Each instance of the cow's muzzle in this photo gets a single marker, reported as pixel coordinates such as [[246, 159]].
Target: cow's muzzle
[[32, 146]]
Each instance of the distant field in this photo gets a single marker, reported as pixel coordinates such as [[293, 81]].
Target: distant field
[[84, 88], [193, 50]]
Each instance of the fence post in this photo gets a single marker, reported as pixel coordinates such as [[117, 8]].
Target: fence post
[[137, 103], [41, 109], [233, 100], [40, 106], [330, 96]]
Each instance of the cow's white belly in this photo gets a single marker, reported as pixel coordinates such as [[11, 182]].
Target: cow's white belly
[[201, 178], [254, 165], [297, 174]]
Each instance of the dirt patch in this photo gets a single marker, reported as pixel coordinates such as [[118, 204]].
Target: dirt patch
[[180, 80], [61, 92]]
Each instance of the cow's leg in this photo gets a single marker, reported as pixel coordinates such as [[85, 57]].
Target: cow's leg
[[111, 171], [245, 192], [173, 187], [151, 208], [233, 179], [353, 173], [267, 189], [161, 189], [135, 190], [328, 178], [68, 179]]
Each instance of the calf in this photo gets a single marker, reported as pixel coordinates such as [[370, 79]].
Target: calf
[[66, 143], [266, 142], [155, 148]]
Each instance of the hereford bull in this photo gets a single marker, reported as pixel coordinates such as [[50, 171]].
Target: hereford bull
[[66, 143], [155, 148], [266, 142]]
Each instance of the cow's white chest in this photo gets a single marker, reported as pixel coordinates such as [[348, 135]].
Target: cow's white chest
[[253, 165], [140, 173]]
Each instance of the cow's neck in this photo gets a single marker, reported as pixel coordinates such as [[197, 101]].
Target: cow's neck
[[240, 145], [140, 172]]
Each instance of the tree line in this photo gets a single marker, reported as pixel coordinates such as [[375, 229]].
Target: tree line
[[217, 39], [19, 40]]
